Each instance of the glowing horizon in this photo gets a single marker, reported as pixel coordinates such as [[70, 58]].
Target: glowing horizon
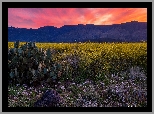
[[39, 17]]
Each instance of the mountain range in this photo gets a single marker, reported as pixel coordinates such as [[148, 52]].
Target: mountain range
[[133, 31]]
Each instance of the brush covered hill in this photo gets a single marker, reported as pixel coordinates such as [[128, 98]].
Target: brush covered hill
[[126, 32]]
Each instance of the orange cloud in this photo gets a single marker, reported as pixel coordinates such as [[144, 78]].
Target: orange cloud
[[37, 17]]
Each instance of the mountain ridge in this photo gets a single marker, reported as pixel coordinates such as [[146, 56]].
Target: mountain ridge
[[133, 31]]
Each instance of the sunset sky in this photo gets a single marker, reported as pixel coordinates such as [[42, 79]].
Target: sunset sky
[[39, 17]]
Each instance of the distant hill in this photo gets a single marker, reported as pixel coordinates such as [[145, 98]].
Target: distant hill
[[126, 32]]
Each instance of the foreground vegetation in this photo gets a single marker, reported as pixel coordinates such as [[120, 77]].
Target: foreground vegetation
[[91, 74]]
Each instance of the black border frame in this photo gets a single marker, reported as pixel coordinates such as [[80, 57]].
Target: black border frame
[[6, 5]]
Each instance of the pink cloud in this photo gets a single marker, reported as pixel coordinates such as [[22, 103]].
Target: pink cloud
[[37, 17]]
